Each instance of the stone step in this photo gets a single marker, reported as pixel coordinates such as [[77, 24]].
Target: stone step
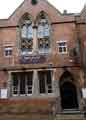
[[70, 117], [73, 112]]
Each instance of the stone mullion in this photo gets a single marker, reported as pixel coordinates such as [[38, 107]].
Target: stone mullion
[[55, 84], [46, 85], [56, 91], [82, 86], [26, 92], [19, 85], [35, 43], [82, 79], [9, 85], [35, 84]]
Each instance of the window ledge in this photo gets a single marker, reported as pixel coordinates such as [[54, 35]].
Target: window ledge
[[46, 95]]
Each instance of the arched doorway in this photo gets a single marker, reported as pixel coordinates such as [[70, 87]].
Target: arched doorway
[[68, 92]]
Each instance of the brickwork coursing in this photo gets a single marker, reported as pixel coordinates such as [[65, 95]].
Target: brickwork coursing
[[63, 27]]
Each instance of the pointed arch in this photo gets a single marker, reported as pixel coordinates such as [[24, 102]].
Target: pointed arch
[[25, 16], [43, 14], [66, 76], [68, 91]]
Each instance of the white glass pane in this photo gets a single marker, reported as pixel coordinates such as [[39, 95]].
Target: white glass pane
[[46, 30], [8, 48], [40, 31], [43, 21], [30, 32], [84, 92], [3, 93], [27, 22], [24, 32]]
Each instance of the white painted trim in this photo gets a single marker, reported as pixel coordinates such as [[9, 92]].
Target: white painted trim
[[7, 48], [84, 92], [61, 41]]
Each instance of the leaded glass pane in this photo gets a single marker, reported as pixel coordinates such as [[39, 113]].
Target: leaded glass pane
[[46, 30], [40, 31], [26, 35], [43, 34], [44, 43], [24, 31], [29, 32]]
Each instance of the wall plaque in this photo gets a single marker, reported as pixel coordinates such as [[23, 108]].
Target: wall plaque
[[28, 59], [84, 92], [3, 93]]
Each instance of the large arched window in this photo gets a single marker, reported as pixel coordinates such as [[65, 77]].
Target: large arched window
[[43, 32], [26, 33]]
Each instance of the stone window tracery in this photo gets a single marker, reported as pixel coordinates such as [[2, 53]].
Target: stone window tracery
[[35, 35]]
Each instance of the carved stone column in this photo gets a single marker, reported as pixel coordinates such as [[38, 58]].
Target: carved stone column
[[9, 85], [35, 84], [56, 90], [83, 87], [35, 39]]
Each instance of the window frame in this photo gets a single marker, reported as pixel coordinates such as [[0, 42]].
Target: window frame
[[33, 78], [42, 30], [44, 51], [46, 86], [7, 49], [18, 87], [62, 47], [27, 31]]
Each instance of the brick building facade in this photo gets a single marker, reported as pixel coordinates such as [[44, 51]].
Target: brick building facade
[[43, 56]]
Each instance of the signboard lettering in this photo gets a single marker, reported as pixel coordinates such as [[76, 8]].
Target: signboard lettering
[[32, 59]]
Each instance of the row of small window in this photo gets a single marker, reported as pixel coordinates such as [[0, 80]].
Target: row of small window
[[22, 82], [61, 45]]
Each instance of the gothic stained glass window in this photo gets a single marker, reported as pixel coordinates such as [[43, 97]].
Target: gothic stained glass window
[[26, 35], [43, 33]]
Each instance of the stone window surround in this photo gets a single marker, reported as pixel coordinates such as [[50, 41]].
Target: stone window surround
[[26, 29], [35, 44], [64, 46], [28, 88], [9, 50], [35, 40], [35, 90]]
